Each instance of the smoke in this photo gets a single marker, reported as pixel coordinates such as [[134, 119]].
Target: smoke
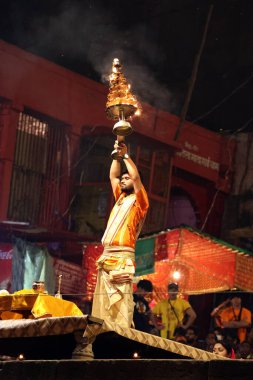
[[84, 32]]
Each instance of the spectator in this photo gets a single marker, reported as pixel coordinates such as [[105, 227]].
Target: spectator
[[244, 351], [210, 341], [192, 337], [173, 312], [233, 318], [179, 335], [219, 334], [143, 317], [224, 348], [250, 337]]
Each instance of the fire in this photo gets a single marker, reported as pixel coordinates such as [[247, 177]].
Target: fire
[[138, 112], [120, 94]]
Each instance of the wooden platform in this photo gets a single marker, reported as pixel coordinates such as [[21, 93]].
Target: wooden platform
[[127, 369]]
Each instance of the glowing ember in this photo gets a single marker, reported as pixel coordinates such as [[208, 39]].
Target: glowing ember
[[120, 99]]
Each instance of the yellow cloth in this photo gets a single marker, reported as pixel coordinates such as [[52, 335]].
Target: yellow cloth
[[10, 315], [40, 306], [5, 302], [48, 306], [169, 318], [23, 299]]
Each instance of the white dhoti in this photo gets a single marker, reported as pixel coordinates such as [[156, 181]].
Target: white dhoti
[[113, 297]]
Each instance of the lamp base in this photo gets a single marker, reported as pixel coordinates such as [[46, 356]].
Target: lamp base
[[122, 128]]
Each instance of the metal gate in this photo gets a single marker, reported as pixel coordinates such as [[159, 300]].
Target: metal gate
[[34, 191]]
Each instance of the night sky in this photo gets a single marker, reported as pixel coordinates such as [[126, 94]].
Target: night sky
[[157, 42]]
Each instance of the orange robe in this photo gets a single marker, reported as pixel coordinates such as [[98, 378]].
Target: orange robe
[[113, 298]]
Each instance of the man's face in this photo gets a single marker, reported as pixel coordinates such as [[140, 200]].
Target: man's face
[[236, 302], [172, 292], [211, 338], [142, 292], [244, 350], [126, 183], [145, 294], [190, 336]]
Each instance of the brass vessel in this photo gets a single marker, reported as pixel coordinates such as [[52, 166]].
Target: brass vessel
[[121, 104]]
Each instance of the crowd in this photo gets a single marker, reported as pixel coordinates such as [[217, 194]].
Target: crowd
[[174, 318]]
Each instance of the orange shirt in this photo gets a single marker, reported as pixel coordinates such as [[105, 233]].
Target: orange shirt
[[228, 315], [127, 234]]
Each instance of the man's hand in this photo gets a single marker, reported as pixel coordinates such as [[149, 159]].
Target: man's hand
[[160, 326], [228, 324], [121, 148], [235, 324], [182, 326]]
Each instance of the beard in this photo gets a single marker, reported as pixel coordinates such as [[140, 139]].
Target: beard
[[127, 190]]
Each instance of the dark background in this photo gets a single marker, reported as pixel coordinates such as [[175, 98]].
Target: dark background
[[157, 41]]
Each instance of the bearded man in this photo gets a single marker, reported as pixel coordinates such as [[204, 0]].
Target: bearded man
[[113, 297]]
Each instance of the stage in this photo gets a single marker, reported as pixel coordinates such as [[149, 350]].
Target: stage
[[47, 345], [127, 369]]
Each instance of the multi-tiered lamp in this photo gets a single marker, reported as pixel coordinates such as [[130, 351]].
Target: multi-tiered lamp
[[121, 103]]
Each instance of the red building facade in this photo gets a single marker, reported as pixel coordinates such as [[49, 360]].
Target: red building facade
[[55, 143]]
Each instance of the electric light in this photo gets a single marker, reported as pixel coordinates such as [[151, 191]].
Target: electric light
[[176, 275]]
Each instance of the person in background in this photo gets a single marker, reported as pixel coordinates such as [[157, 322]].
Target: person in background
[[250, 337], [175, 313], [219, 334], [192, 337], [244, 351], [233, 318], [144, 319], [224, 348], [179, 335], [210, 341]]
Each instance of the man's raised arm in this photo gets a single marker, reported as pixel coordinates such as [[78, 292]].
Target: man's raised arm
[[115, 172]]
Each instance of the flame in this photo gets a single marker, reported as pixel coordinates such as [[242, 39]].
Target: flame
[[120, 90]]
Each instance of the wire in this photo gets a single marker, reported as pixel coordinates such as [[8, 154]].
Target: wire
[[210, 209], [229, 292], [227, 171], [223, 100]]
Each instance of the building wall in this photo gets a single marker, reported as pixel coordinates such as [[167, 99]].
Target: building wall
[[202, 158], [237, 226]]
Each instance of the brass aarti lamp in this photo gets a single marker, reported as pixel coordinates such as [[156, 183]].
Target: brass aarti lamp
[[121, 104]]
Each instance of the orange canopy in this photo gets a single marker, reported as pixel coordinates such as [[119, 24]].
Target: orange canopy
[[199, 263]]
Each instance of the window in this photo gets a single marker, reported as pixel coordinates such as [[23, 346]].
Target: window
[[34, 194]]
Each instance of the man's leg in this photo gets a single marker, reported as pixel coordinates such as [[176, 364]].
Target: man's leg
[[85, 339]]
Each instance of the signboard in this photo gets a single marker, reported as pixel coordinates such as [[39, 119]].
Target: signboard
[[5, 266], [73, 277]]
